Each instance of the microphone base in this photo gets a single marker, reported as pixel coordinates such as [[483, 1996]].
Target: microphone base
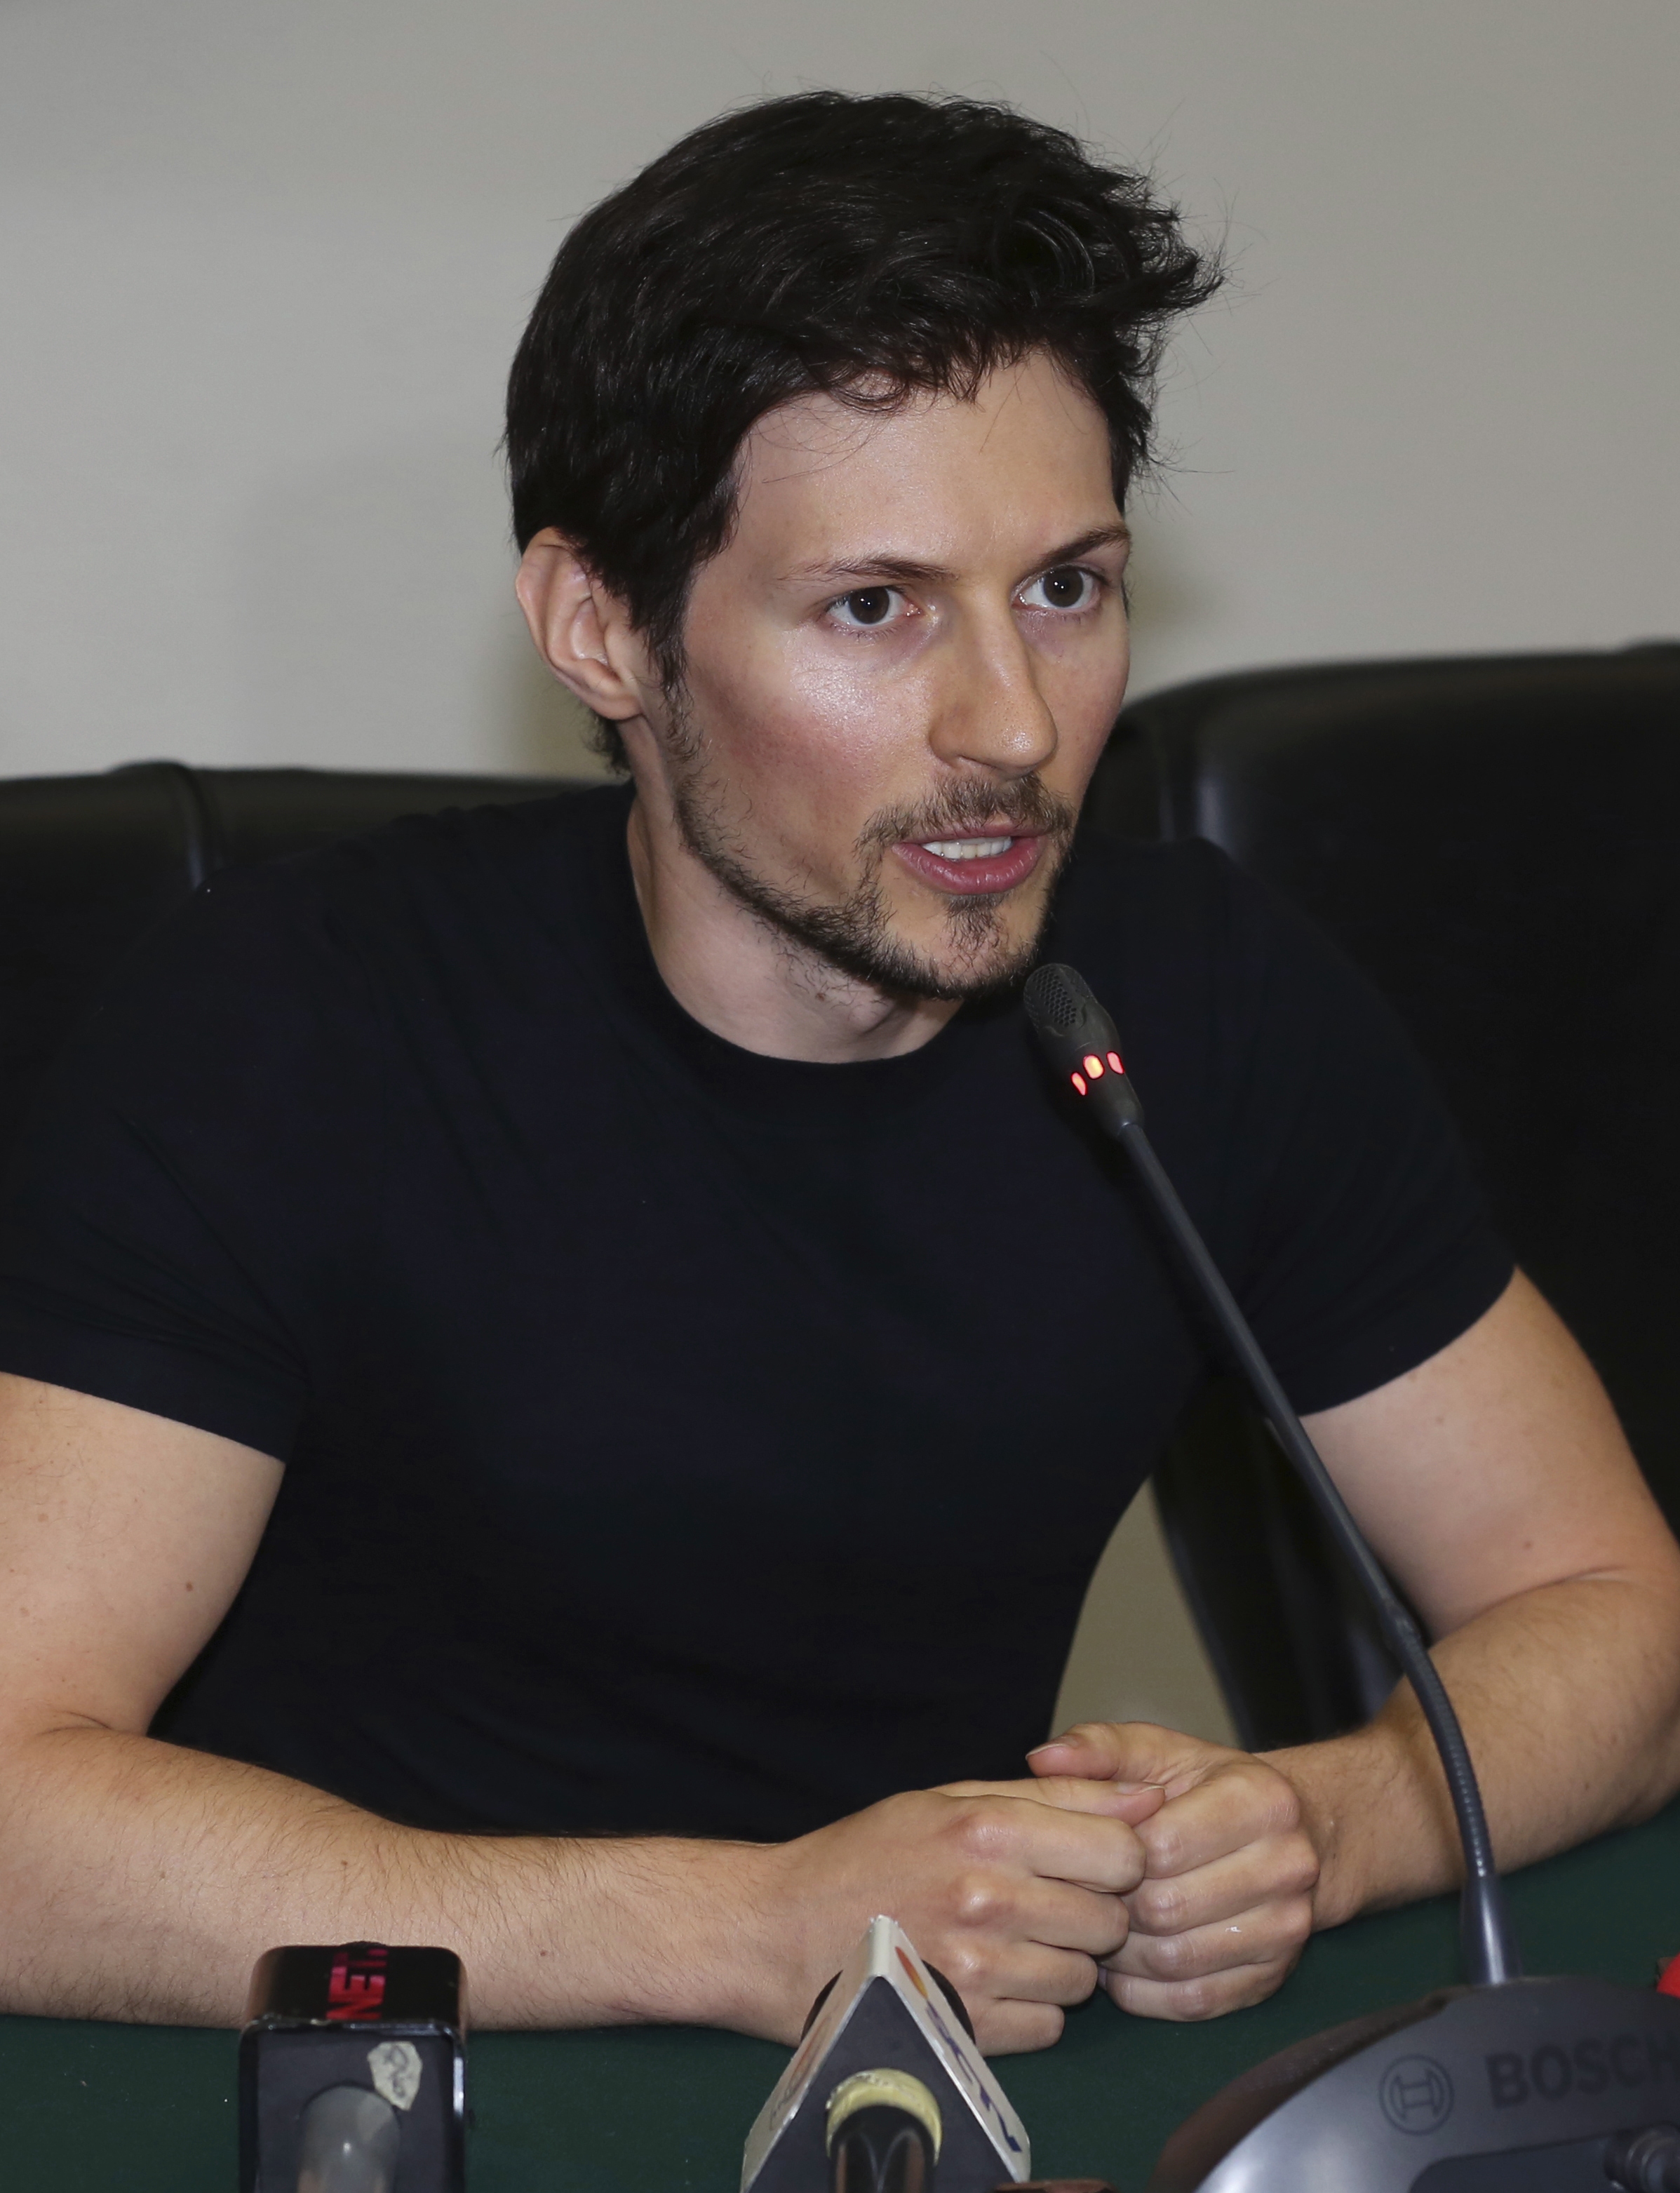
[[1517, 2088]]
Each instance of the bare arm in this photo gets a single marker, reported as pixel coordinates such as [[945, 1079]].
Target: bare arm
[[141, 1881], [1496, 1483]]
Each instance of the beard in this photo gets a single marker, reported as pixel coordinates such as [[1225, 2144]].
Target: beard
[[854, 935]]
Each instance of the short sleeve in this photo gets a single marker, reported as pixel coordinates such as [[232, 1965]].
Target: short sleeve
[[179, 1216], [1366, 1245]]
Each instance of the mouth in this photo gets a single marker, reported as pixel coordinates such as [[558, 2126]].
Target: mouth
[[971, 866], [968, 849]]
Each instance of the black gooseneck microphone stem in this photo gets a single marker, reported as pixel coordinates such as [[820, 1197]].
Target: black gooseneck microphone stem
[[1077, 1037], [1489, 1949]]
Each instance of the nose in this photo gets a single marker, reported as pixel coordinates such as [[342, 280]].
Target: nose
[[992, 716]]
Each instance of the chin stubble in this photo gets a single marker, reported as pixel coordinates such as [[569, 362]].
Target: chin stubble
[[854, 935]]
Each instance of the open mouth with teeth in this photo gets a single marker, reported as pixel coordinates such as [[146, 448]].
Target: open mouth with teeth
[[965, 867], [968, 849]]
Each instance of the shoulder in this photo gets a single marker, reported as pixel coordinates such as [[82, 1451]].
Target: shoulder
[[454, 856], [1233, 1005], [288, 974], [1178, 922], [326, 922], [1183, 914], [1188, 891]]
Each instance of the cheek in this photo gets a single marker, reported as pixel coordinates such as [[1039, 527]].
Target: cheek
[[808, 730], [866, 727]]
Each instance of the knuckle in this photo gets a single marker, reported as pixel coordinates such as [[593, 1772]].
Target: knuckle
[[1258, 1982], [1160, 1907], [1198, 1998], [978, 1899], [1080, 1983], [1282, 1801], [1015, 2029], [1038, 2026], [1302, 1868], [1306, 1863], [982, 1829], [1295, 1923], [1162, 1844], [1172, 1957]]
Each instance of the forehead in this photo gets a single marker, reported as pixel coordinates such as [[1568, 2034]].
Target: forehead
[[944, 478]]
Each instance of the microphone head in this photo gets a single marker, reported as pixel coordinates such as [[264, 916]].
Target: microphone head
[[350, 2137], [884, 2133], [885, 2058], [1059, 1000], [1082, 1044]]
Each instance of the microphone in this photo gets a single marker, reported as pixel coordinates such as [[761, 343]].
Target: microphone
[[883, 2134], [1078, 1038], [887, 2092], [352, 2071], [350, 2142], [1472, 2089]]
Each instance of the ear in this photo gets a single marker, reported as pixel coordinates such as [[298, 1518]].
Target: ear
[[581, 631]]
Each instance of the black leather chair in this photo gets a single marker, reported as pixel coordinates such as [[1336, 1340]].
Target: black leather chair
[[1496, 841], [89, 864]]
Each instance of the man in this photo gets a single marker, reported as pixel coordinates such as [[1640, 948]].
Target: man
[[567, 1370]]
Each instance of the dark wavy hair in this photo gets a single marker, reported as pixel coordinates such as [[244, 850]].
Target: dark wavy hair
[[867, 247]]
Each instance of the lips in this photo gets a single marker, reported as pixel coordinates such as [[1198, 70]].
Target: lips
[[988, 874]]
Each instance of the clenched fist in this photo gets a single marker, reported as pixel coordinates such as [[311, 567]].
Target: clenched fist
[[1225, 1906], [1016, 1891]]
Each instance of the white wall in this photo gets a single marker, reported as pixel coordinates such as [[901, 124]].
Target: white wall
[[262, 262], [1136, 1654]]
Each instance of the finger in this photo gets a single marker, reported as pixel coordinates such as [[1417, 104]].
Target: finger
[[1129, 1751], [1015, 2029], [997, 1836], [988, 1833], [1212, 1894], [1184, 2001], [1057, 1916], [1022, 1972], [1276, 1929], [1033, 1971], [1242, 1803], [1070, 1793]]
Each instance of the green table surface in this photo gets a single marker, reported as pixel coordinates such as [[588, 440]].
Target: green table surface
[[121, 2109]]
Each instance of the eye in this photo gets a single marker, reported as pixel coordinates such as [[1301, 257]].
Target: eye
[[865, 606], [1068, 587]]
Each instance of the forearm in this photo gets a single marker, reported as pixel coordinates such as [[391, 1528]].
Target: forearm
[[138, 1881], [1569, 1696]]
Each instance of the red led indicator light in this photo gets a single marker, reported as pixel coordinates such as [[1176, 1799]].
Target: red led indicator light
[[1094, 1066], [1114, 1061], [1079, 1083]]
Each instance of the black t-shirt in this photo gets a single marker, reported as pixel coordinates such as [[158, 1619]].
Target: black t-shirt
[[677, 1438]]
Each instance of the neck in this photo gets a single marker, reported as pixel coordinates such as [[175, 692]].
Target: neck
[[733, 971]]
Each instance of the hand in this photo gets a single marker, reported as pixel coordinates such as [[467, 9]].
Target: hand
[[1226, 1905], [1015, 1890]]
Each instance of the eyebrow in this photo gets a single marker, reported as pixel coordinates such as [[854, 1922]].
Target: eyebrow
[[910, 569]]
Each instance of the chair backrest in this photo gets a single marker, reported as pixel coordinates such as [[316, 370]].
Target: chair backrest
[[1496, 841], [89, 865]]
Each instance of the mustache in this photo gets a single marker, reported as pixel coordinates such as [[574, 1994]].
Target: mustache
[[1026, 806]]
